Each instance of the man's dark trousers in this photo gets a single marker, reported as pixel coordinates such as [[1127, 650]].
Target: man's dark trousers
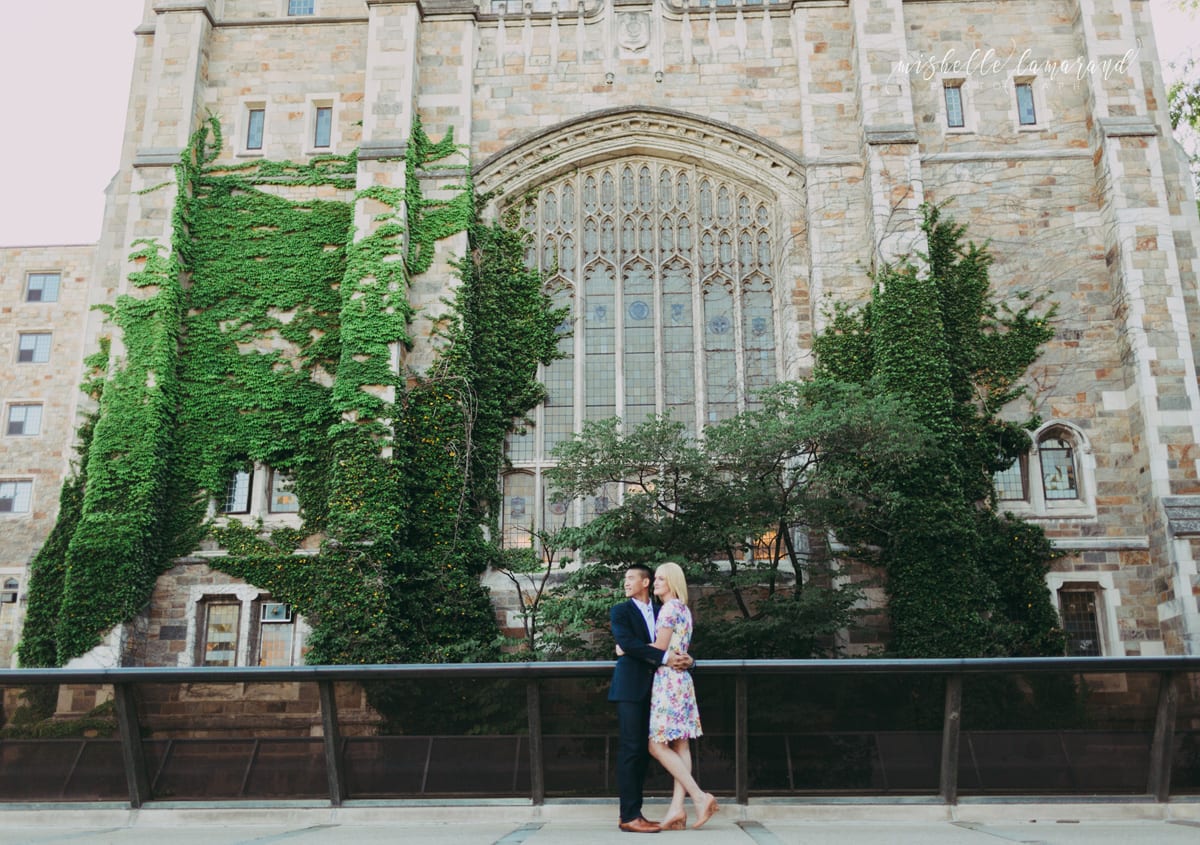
[[633, 754], [632, 681]]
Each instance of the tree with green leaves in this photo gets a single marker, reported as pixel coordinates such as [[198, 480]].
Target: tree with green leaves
[[962, 580], [1183, 102], [734, 506]]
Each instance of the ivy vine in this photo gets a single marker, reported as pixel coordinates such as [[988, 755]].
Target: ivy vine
[[268, 338]]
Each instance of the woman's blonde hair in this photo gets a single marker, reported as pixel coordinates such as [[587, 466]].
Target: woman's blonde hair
[[675, 580]]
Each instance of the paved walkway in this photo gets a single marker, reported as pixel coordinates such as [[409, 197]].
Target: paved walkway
[[593, 824]]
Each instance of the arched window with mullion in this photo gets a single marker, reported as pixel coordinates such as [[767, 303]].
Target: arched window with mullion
[[668, 268]]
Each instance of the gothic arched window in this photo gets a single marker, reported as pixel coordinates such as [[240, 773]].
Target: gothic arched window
[[668, 270], [1054, 478]]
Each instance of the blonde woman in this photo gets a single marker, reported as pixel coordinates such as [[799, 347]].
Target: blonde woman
[[674, 717]]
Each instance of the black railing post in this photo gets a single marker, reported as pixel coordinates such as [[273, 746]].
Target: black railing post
[[951, 729], [132, 753], [333, 743], [1162, 750], [741, 741], [537, 770]]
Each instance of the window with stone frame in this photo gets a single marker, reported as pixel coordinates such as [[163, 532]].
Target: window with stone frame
[[24, 419], [16, 496], [238, 492], [1079, 608], [42, 287], [33, 347], [276, 635], [1051, 479], [301, 7], [222, 627], [668, 270], [283, 494], [256, 121], [952, 92], [235, 625], [322, 126], [1059, 470], [260, 492], [1026, 107]]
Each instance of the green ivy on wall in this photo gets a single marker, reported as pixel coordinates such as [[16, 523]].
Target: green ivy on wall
[[270, 339], [962, 580]]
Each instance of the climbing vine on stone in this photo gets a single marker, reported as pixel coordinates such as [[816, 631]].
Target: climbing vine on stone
[[279, 350], [962, 580]]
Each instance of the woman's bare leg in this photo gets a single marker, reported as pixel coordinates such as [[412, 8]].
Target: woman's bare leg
[[669, 757], [683, 748]]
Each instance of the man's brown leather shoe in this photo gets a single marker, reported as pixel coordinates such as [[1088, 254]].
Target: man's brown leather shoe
[[640, 825]]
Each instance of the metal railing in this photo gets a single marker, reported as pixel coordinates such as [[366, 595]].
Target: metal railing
[[1163, 683]]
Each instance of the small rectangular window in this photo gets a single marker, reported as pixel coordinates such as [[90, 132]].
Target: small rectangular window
[[255, 120], [1081, 622], [237, 494], [954, 106], [33, 348], [323, 126], [283, 497], [301, 7], [221, 623], [15, 496], [42, 287], [1026, 114], [275, 642], [24, 420]]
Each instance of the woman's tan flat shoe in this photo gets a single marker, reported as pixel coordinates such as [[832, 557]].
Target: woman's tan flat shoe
[[676, 823], [710, 810]]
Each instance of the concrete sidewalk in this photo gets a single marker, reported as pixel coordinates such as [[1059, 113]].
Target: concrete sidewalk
[[782, 823]]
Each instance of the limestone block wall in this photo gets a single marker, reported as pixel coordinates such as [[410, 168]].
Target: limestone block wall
[[42, 459]]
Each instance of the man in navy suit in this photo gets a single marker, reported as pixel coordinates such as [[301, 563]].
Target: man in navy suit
[[633, 629]]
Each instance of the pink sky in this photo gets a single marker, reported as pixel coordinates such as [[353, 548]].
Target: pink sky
[[64, 79]]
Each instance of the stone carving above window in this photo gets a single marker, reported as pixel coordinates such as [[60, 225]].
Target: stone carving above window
[[670, 133]]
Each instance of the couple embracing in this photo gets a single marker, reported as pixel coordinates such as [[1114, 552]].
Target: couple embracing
[[655, 697]]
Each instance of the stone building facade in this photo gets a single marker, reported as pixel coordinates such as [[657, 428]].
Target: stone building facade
[[704, 179]]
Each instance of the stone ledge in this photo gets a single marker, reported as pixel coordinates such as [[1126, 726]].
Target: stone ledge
[[884, 135], [1100, 544], [157, 157], [1183, 515], [1127, 127], [381, 149], [205, 6]]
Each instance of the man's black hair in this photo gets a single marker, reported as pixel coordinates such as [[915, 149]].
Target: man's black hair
[[643, 567]]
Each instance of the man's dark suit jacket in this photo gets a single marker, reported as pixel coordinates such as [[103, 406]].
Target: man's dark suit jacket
[[634, 672]]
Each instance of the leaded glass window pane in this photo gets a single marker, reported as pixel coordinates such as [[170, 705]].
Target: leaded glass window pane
[[237, 494], [1010, 482], [517, 517], [1058, 468], [1081, 622], [221, 625]]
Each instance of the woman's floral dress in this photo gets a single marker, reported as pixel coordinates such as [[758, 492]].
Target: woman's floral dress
[[673, 711]]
